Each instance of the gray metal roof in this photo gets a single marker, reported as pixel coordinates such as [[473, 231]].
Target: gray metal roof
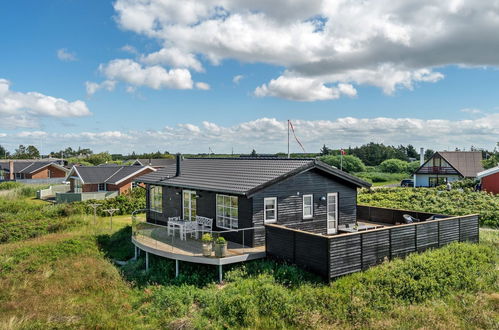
[[155, 162], [111, 174], [239, 175], [27, 166]]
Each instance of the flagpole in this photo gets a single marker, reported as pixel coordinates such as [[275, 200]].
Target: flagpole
[[341, 161], [288, 139]]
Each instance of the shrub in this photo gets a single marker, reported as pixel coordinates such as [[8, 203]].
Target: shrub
[[381, 177], [454, 202], [350, 163], [8, 185], [394, 166]]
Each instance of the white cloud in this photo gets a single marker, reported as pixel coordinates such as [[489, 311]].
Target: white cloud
[[3, 134], [64, 55], [472, 111], [269, 135], [25, 109], [395, 45], [203, 86], [155, 77], [173, 57], [303, 89], [93, 87], [129, 49], [237, 79]]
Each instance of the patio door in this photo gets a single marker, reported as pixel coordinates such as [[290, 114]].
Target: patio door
[[332, 213], [189, 205]]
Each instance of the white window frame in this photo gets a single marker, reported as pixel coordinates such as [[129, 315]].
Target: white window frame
[[311, 215], [190, 207], [222, 220], [333, 230], [265, 220], [105, 187], [153, 205]]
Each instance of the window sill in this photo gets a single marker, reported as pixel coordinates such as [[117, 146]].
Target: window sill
[[269, 221]]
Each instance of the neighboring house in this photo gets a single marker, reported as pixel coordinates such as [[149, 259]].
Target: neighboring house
[[156, 163], [448, 166], [489, 179], [32, 170], [100, 182], [250, 192]]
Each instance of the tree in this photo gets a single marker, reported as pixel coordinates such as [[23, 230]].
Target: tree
[[350, 164], [253, 153], [325, 151], [3, 152], [23, 152], [100, 158], [411, 151], [394, 166], [428, 153]]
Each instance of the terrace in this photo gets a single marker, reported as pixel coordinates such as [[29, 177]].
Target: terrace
[[155, 239]]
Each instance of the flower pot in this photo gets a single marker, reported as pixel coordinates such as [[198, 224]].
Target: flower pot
[[207, 248], [220, 250]]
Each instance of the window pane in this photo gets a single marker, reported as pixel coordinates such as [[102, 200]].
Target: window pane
[[270, 214]]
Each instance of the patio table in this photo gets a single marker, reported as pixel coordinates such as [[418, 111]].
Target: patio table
[[178, 223]]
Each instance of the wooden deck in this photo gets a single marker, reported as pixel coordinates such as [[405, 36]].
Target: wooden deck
[[172, 247]]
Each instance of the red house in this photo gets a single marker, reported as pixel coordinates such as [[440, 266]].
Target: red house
[[490, 180]]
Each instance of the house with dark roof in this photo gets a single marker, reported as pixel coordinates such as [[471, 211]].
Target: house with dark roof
[[100, 182], [33, 170], [154, 162], [448, 166], [247, 192]]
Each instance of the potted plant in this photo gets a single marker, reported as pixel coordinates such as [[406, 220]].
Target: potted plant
[[220, 247], [207, 240]]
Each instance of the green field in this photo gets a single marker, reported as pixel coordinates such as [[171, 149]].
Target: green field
[[66, 278]]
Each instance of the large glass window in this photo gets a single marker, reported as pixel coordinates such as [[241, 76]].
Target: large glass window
[[308, 206], [189, 205], [227, 211], [270, 210], [156, 198]]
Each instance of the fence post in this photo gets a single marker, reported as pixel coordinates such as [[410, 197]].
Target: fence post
[[361, 251], [438, 233], [390, 243], [459, 229]]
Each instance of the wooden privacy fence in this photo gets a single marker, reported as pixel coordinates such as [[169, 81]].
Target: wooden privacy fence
[[337, 255]]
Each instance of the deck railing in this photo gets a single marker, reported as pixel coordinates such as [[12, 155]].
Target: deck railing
[[239, 241], [437, 170]]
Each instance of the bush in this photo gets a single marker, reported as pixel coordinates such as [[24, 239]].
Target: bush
[[394, 166], [454, 202], [125, 203], [8, 185], [350, 163], [375, 177]]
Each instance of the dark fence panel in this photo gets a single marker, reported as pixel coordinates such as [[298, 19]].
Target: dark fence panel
[[345, 255], [390, 216], [403, 240], [426, 236], [304, 249], [317, 227], [469, 229], [448, 231], [375, 247]]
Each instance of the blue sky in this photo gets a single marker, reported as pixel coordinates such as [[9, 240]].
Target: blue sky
[[432, 98]]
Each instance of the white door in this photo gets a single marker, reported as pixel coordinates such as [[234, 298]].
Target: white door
[[189, 205], [332, 213]]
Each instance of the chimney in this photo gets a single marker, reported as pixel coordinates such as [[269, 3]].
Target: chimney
[[178, 165], [11, 169], [421, 156]]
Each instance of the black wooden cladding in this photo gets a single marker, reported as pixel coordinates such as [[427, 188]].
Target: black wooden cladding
[[333, 256]]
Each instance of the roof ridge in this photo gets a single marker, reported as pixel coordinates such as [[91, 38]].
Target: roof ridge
[[116, 172]]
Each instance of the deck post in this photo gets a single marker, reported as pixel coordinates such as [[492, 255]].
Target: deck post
[[176, 267], [147, 261], [135, 256], [220, 273]]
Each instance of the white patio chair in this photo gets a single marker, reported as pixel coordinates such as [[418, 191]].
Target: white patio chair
[[170, 225], [204, 224], [189, 227]]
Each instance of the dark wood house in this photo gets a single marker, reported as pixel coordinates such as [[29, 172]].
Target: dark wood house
[[250, 192]]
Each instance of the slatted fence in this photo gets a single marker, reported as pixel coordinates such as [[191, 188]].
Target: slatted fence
[[336, 255]]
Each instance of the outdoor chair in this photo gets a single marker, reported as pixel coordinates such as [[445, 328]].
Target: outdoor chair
[[170, 226], [190, 227], [204, 224], [409, 219]]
